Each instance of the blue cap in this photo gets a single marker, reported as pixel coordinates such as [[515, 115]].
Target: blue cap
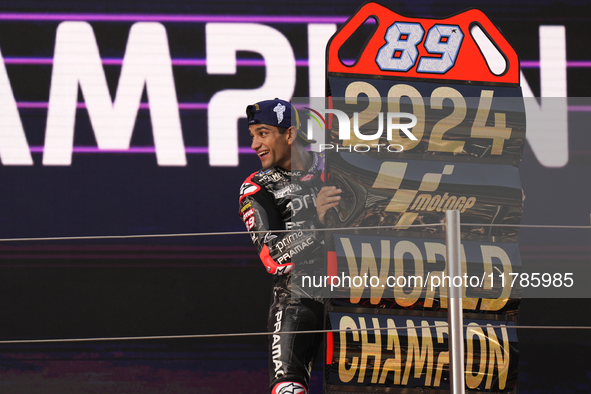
[[272, 112], [275, 112]]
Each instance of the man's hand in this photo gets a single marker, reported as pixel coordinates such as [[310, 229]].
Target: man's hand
[[326, 199]]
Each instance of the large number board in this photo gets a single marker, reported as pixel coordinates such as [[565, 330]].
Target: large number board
[[460, 79]]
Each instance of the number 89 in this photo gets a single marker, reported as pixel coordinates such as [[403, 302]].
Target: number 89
[[400, 52]]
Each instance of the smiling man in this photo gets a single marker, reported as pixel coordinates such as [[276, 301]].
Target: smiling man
[[288, 193]]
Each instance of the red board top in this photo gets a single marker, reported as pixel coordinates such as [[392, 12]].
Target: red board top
[[466, 48]]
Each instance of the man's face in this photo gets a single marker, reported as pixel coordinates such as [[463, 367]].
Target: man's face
[[273, 148]]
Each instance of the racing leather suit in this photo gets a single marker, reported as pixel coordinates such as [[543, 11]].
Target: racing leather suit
[[276, 199]]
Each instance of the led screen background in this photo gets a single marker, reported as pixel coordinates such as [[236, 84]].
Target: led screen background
[[102, 193], [74, 289]]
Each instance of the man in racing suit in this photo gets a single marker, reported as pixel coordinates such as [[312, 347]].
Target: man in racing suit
[[287, 194]]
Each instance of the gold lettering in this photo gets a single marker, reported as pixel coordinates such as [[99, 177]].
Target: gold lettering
[[436, 141], [374, 105], [369, 267], [469, 204], [392, 364], [356, 292], [443, 358], [418, 108], [433, 204], [421, 202], [400, 250], [473, 381], [370, 264], [499, 132], [451, 202], [433, 249], [347, 374], [488, 252], [421, 354], [502, 358], [460, 203], [370, 350], [467, 303]]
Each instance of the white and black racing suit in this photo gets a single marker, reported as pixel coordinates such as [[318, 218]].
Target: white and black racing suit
[[276, 199]]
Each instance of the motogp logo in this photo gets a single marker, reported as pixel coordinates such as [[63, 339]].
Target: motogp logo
[[404, 200]]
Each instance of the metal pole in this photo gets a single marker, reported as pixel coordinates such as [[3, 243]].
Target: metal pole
[[455, 318]]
